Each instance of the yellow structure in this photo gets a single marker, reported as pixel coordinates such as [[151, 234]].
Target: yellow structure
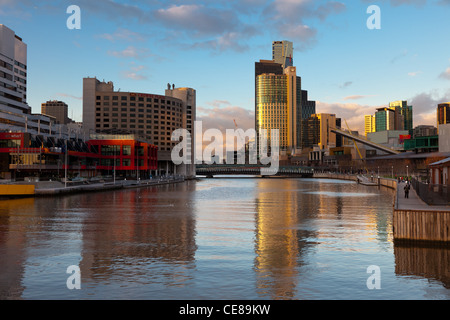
[[16, 190], [276, 106], [369, 124]]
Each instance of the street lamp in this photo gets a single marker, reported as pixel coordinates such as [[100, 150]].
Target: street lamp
[[392, 168], [407, 175]]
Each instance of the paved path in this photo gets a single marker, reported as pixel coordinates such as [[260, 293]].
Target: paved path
[[414, 202]]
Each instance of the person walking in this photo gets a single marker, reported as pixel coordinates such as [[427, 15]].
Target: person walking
[[407, 187]]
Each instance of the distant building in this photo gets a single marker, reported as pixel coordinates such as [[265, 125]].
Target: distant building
[[327, 139], [443, 113], [390, 138], [404, 114], [369, 124], [385, 119], [282, 53], [424, 131], [57, 109]]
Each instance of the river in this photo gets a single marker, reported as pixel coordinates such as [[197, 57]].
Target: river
[[225, 238]]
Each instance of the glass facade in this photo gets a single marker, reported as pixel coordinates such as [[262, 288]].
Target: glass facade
[[272, 109]]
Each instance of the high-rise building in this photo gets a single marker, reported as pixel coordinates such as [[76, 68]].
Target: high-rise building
[[280, 102], [384, 119], [15, 113], [282, 53], [57, 109], [369, 124], [152, 116], [443, 113], [404, 120]]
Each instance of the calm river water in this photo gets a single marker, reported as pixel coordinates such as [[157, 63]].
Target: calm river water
[[227, 238]]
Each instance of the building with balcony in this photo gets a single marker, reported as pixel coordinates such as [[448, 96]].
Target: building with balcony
[[151, 116]]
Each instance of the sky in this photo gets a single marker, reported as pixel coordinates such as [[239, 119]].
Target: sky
[[212, 46]]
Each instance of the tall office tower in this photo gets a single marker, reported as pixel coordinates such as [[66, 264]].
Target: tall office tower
[[384, 119], [57, 109], [151, 116], [264, 67], [369, 124], [280, 102], [13, 77], [282, 53], [404, 115], [279, 106], [443, 113]]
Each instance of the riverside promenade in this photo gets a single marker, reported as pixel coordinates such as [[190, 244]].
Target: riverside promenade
[[416, 221], [57, 188]]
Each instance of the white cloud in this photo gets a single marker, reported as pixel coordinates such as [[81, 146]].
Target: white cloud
[[134, 74], [414, 74], [131, 52], [445, 74], [122, 34]]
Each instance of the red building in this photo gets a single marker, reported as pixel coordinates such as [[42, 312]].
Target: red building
[[105, 155]]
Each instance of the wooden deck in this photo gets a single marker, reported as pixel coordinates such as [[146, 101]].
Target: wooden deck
[[414, 220]]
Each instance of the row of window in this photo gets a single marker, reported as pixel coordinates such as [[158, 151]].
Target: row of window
[[133, 98], [140, 105]]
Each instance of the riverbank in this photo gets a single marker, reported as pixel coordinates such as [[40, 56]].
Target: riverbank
[[57, 188]]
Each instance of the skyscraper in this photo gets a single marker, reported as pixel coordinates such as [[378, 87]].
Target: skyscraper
[[282, 53], [280, 102], [404, 115], [384, 119]]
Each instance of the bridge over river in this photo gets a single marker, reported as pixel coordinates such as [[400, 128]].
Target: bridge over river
[[254, 170]]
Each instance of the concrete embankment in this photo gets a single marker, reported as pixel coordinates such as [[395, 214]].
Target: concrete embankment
[[56, 188]]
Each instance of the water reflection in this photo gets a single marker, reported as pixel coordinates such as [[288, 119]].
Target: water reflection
[[279, 243], [139, 233], [214, 239], [423, 261]]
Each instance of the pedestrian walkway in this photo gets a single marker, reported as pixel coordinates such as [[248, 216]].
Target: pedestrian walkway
[[414, 202]]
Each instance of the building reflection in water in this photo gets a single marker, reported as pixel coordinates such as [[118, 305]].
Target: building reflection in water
[[139, 236], [13, 244], [280, 241], [430, 262]]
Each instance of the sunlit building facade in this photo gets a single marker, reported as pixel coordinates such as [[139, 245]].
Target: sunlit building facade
[[280, 102], [404, 114], [443, 113], [152, 116], [369, 124]]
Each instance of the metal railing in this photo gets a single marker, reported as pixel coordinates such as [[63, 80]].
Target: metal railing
[[432, 194]]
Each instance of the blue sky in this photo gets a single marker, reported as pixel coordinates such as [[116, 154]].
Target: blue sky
[[212, 46]]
